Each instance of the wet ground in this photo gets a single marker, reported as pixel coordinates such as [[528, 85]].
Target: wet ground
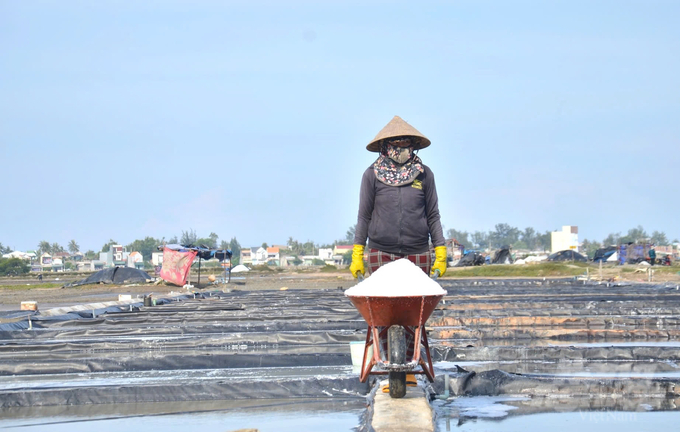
[[485, 420], [542, 353], [271, 415]]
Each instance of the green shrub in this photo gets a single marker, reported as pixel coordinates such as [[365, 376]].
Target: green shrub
[[13, 266], [262, 268]]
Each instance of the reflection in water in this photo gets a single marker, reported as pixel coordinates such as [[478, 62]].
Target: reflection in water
[[579, 421]]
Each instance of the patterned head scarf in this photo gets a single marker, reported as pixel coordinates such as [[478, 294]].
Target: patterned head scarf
[[397, 164]]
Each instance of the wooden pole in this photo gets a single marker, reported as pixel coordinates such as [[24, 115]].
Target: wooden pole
[[601, 269], [199, 272]]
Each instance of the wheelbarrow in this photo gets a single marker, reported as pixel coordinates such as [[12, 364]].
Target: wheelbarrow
[[394, 317]]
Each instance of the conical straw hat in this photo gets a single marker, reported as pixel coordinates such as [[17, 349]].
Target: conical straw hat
[[395, 128]]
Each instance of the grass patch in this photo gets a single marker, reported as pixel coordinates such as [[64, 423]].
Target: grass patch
[[31, 286], [550, 269], [630, 268], [674, 268], [328, 268]]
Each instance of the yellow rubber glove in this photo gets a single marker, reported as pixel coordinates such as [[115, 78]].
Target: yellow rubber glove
[[357, 265], [439, 260]]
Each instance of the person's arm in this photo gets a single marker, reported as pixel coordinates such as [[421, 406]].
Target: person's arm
[[366, 202], [432, 211]]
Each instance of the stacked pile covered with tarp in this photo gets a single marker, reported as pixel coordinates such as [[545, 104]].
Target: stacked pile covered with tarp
[[502, 256], [567, 255], [471, 259], [605, 254], [114, 275]]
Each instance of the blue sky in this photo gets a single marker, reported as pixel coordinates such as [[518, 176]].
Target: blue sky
[[122, 119]]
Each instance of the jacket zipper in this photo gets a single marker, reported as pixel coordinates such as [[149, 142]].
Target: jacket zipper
[[401, 218]]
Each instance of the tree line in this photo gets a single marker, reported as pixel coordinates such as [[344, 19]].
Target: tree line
[[502, 235], [530, 239], [145, 246]]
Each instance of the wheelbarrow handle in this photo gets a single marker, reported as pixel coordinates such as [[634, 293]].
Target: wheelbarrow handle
[[360, 276]]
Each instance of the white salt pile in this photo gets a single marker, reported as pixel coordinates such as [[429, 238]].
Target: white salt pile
[[399, 278]]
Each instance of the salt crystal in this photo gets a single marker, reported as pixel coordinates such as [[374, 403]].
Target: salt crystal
[[400, 278]]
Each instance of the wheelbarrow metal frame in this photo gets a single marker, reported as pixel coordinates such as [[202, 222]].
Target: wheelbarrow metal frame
[[411, 311]]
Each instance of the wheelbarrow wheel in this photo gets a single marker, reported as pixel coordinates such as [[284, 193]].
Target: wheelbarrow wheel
[[396, 343]]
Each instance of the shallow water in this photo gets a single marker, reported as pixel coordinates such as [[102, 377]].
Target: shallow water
[[579, 369], [270, 415], [584, 421], [189, 376], [666, 343]]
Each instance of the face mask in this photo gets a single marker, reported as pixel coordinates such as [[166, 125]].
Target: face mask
[[400, 155]]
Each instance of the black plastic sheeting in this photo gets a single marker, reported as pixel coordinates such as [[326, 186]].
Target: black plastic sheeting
[[502, 256], [497, 382], [115, 275], [19, 320], [345, 387], [567, 255], [603, 254], [470, 259], [207, 331], [292, 330]]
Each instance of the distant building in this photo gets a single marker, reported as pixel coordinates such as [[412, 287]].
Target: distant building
[[289, 260], [116, 256], [84, 266], [57, 265], [46, 261], [157, 258], [309, 260], [17, 254], [259, 255], [246, 256], [273, 256], [135, 260], [62, 255], [326, 254], [342, 249], [565, 239]]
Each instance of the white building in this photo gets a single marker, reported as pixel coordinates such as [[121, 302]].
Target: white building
[[18, 254], [259, 255], [565, 239], [274, 256], [135, 260], [157, 258], [326, 254]]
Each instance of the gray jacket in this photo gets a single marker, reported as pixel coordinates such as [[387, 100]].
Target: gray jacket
[[399, 219]]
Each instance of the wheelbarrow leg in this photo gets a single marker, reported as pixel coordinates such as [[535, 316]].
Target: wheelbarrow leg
[[366, 368], [428, 368], [397, 355], [369, 360]]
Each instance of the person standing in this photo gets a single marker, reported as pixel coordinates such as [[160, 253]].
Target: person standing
[[398, 205], [652, 255]]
